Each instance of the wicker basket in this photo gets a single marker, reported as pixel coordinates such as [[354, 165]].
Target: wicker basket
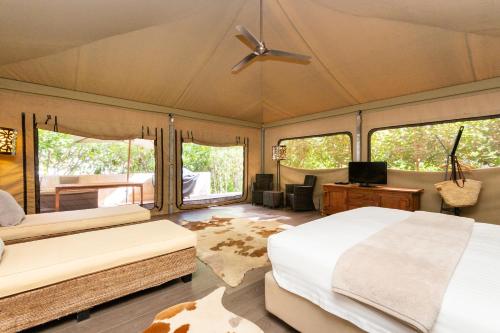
[[458, 196]]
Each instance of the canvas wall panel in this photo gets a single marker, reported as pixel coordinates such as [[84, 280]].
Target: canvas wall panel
[[296, 176], [343, 123], [488, 207], [11, 167], [75, 117], [466, 106]]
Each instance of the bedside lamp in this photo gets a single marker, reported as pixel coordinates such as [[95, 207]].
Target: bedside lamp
[[8, 137], [279, 154]]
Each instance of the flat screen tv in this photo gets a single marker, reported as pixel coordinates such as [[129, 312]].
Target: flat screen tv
[[366, 173]]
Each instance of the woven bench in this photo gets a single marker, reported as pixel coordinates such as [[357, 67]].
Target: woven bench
[[47, 279]]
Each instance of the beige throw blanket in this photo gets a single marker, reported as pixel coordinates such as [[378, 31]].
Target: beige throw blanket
[[404, 269]]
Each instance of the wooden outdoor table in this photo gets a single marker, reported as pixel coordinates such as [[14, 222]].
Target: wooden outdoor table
[[96, 186]]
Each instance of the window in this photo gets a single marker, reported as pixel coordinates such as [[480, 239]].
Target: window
[[211, 174], [66, 159], [425, 147], [319, 152]]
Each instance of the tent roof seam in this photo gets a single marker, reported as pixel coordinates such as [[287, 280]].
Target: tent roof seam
[[316, 55]]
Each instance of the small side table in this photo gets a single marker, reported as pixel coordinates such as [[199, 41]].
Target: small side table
[[272, 199]]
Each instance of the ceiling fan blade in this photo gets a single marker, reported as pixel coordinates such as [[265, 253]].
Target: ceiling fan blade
[[239, 66], [289, 55], [249, 36]]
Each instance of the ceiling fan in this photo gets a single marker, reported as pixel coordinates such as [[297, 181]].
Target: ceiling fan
[[260, 49]]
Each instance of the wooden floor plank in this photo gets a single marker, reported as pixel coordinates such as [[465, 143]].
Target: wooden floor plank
[[133, 313]]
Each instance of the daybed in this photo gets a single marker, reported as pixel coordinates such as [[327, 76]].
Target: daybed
[[39, 226], [46, 279], [299, 288]]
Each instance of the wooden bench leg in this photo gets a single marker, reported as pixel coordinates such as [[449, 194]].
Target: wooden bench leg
[[82, 315], [187, 278]]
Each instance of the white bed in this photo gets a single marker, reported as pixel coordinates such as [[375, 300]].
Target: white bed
[[303, 260]]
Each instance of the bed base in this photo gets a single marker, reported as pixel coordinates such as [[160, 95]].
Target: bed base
[[78, 295], [301, 314]]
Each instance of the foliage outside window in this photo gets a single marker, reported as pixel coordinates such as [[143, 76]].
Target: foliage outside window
[[318, 152], [66, 154], [225, 166], [420, 148]]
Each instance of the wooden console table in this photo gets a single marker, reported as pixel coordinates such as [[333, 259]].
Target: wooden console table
[[73, 187], [338, 198]]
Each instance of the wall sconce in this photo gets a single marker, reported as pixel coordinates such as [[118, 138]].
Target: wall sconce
[[8, 137], [279, 154]]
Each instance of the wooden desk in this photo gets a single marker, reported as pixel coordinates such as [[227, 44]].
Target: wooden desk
[[339, 198], [97, 186]]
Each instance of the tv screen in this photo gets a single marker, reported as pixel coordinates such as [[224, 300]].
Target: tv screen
[[368, 172]]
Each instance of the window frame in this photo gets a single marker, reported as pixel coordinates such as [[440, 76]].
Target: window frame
[[348, 133], [194, 204], [437, 122], [36, 174]]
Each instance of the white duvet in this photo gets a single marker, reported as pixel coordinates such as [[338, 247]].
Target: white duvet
[[304, 257]]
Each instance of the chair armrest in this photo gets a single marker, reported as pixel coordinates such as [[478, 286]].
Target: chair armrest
[[303, 198], [302, 191]]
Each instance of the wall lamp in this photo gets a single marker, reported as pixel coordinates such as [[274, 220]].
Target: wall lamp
[[8, 137]]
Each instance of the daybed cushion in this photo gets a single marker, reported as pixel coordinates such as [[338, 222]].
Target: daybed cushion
[[31, 265], [36, 225], [10, 211]]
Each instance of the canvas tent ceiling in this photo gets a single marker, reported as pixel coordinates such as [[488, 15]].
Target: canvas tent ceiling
[[179, 53]]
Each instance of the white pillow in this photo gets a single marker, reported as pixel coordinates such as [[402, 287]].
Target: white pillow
[[2, 245], [10, 211]]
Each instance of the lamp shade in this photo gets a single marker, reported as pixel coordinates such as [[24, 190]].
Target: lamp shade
[[279, 153], [8, 137]]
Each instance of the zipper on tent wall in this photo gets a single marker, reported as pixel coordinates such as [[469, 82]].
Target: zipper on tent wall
[[171, 164], [35, 161], [25, 174], [359, 127], [262, 150]]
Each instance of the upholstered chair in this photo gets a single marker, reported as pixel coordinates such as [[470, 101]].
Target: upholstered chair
[[263, 182], [299, 197]]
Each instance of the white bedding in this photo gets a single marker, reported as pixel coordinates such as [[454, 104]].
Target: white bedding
[[304, 257]]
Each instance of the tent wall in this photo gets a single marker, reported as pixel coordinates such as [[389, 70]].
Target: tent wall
[[463, 107], [459, 107], [74, 117], [104, 122], [97, 120], [11, 167]]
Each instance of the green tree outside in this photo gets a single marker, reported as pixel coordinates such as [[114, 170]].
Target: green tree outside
[[419, 148], [62, 154], [320, 152]]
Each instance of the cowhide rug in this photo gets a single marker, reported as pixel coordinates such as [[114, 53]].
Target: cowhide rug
[[202, 316], [234, 246]]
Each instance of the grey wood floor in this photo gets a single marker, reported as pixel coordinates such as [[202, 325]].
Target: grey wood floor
[[133, 313]]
